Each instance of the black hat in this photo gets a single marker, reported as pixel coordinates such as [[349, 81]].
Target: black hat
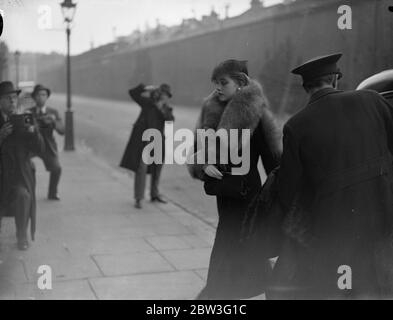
[[165, 88], [38, 88], [318, 67], [7, 87], [228, 67]]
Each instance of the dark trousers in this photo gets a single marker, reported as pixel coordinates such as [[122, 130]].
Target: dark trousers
[[20, 207], [140, 180], [52, 165]]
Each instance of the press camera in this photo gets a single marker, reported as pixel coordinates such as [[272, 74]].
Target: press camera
[[21, 122]]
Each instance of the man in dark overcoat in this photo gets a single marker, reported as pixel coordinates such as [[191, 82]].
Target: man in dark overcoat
[[155, 111], [338, 153], [17, 172], [49, 121]]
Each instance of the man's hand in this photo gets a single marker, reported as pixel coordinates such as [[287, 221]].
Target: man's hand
[[49, 119], [151, 88], [213, 172], [31, 129], [148, 90], [5, 131]]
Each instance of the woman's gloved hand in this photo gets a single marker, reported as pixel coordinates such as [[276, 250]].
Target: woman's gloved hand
[[213, 172]]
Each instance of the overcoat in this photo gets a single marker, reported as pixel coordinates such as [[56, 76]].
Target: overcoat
[[149, 118], [232, 273], [18, 171], [337, 151]]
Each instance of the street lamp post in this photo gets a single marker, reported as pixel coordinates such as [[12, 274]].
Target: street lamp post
[[17, 56], [68, 8]]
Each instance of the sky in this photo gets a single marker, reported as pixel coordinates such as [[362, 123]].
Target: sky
[[37, 25]]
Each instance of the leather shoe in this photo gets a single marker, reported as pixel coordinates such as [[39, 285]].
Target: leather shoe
[[138, 204], [54, 197], [158, 199], [23, 245]]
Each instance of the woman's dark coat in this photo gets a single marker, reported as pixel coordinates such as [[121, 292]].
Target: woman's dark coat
[[17, 171], [338, 152], [232, 273], [149, 118]]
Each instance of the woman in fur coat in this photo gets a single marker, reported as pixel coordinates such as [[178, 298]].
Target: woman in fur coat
[[238, 102]]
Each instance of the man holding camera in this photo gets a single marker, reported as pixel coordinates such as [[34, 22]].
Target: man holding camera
[[49, 121], [20, 140], [155, 111]]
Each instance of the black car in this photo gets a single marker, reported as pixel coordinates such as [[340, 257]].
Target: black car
[[381, 82]]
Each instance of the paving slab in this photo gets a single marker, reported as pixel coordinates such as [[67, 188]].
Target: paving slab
[[196, 241], [188, 259], [120, 245], [64, 290], [160, 286], [151, 218], [12, 269], [64, 267], [134, 263], [202, 273], [168, 242]]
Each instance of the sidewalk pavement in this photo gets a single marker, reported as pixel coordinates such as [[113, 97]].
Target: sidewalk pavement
[[99, 247]]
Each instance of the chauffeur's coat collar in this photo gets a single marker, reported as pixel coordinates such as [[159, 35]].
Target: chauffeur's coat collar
[[322, 93]]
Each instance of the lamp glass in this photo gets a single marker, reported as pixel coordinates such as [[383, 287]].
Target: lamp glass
[[68, 9]]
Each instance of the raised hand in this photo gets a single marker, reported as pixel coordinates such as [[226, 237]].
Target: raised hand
[[213, 172], [5, 131], [151, 88], [48, 119]]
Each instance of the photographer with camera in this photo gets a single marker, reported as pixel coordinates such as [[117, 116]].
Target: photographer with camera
[[49, 121], [20, 141], [155, 111]]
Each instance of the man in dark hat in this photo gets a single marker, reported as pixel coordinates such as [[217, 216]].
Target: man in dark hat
[[17, 174], [155, 111], [166, 90], [49, 121], [335, 183]]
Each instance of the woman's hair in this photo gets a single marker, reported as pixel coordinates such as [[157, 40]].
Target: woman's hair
[[235, 69]]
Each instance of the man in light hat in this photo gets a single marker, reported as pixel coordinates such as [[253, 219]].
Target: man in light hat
[[336, 184], [17, 174], [49, 121]]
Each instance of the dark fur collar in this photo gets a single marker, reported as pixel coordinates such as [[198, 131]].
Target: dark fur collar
[[243, 112], [246, 110]]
